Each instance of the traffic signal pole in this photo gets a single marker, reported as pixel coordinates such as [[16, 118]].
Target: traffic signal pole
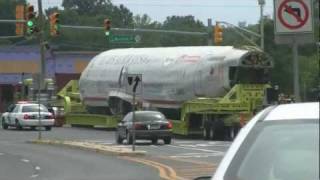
[[137, 30], [11, 21], [261, 3], [42, 70], [296, 83]]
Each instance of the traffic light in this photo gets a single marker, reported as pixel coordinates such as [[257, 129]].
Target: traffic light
[[218, 33], [30, 19], [54, 24], [107, 27], [20, 15]]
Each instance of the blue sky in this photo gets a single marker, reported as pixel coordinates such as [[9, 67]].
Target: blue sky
[[232, 11]]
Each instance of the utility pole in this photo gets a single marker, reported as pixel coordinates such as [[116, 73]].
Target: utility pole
[[42, 70], [210, 32], [261, 3], [296, 83]]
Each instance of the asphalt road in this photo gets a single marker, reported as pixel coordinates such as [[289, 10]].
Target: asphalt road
[[22, 161], [188, 157]]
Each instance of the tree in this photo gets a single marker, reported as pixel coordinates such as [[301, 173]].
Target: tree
[[86, 7], [121, 16], [148, 39], [183, 23]]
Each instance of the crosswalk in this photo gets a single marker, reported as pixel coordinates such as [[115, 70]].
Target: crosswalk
[[188, 148]]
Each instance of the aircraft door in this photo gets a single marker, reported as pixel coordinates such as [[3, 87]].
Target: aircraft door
[[198, 86], [122, 76]]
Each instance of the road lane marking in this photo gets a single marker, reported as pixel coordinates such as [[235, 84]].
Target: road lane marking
[[197, 155], [36, 172], [1, 154], [192, 168], [34, 176], [189, 161], [165, 171], [25, 160], [195, 149]]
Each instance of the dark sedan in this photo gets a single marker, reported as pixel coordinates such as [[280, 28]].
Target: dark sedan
[[149, 125]]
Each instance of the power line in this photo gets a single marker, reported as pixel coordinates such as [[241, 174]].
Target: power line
[[195, 5]]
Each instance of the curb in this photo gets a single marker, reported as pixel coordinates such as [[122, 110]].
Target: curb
[[91, 147]]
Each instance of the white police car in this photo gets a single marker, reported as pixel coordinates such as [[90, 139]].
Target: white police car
[[24, 114]]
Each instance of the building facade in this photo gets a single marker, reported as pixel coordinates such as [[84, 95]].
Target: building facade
[[19, 63]]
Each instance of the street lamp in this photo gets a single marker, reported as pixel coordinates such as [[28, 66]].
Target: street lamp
[[261, 3]]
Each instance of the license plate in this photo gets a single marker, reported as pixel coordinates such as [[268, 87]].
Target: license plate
[[154, 126]]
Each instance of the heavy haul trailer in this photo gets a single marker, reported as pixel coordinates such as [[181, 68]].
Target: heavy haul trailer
[[208, 117], [76, 113], [173, 79], [215, 118]]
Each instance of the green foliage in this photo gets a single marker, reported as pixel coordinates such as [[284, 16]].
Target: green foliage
[[86, 7], [282, 73], [309, 73], [183, 23]]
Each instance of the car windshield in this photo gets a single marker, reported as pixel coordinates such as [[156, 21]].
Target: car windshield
[[149, 116], [278, 150], [34, 108]]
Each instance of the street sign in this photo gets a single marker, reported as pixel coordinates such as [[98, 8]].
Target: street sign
[[293, 16], [134, 84], [294, 26], [123, 39]]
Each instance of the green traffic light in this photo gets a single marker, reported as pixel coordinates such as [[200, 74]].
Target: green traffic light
[[107, 33], [30, 23]]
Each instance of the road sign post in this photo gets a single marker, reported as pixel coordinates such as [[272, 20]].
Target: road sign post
[[294, 26], [134, 83]]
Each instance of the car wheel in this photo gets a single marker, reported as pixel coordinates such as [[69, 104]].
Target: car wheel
[[236, 128], [167, 140], [119, 140], [218, 130], [4, 124], [154, 140], [129, 138], [18, 126], [33, 128], [48, 128]]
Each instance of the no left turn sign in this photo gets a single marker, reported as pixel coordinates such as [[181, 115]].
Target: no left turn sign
[[293, 16]]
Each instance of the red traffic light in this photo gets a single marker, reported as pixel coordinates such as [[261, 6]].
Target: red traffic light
[[30, 12], [107, 25]]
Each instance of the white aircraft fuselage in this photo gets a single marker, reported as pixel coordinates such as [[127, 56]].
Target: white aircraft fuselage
[[170, 75]]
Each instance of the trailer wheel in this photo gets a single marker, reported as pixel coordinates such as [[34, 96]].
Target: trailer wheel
[[235, 128], [218, 130], [154, 140], [119, 140], [206, 133], [167, 140]]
